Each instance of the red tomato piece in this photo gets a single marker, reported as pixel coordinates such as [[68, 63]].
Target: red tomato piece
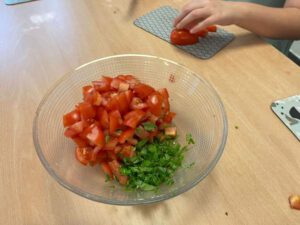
[[154, 102], [127, 151], [126, 135], [137, 103], [143, 90], [95, 135], [75, 129], [122, 102], [133, 118], [111, 144], [83, 155], [115, 120], [183, 37], [94, 155], [129, 96], [141, 133], [111, 155], [115, 83], [91, 96], [103, 117], [103, 84], [212, 28], [113, 104], [106, 169], [101, 156], [86, 110], [165, 95], [80, 142], [169, 117], [71, 118], [202, 33], [115, 168]]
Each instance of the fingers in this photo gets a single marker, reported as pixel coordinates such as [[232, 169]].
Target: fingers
[[203, 24], [194, 16], [186, 10]]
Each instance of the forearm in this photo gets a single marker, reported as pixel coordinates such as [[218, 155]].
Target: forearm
[[283, 23]]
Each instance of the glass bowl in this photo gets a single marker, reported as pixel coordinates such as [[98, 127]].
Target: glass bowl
[[199, 112]]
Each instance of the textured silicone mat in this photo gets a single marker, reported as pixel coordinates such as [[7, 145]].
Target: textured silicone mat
[[159, 22]]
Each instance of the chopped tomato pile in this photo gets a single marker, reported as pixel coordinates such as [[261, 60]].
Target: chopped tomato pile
[[184, 37], [115, 114]]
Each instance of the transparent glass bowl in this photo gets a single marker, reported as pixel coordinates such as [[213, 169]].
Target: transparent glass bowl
[[199, 112]]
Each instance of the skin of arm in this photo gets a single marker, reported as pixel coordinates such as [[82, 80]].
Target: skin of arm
[[281, 23]]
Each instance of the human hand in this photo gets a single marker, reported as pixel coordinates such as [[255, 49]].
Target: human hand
[[196, 15]]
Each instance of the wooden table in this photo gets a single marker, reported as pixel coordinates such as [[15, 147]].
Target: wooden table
[[41, 41]]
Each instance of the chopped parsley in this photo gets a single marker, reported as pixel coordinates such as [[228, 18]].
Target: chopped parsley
[[148, 126]]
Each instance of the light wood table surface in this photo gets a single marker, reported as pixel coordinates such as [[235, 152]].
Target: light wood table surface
[[41, 41]]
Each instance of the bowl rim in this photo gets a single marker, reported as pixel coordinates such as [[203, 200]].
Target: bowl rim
[[98, 198]]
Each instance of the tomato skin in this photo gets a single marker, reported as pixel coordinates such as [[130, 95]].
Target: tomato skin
[[143, 90], [71, 118], [212, 28], [115, 120], [129, 96], [86, 110], [106, 169], [113, 104], [154, 102], [133, 118], [165, 94], [80, 142], [126, 135], [102, 116], [115, 168], [75, 129], [111, 144], [137, 103], [115, 83], [83, 155], [102, 85], [183, 37], [169, 117], [122, 102]]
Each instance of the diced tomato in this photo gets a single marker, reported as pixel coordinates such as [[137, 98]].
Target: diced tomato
[[101, 156], [91, 96], [122, 102], [127, 151], [212, 28], [80, 142], [126, 135], [131, 80], [123, 86], [111, 144], [132, 141], [94, 155], [102, 85], [154, 102], [103, 117], [137, 103], [75, 129], [143, 90], [115, 83], [133, 118], [83, 155], [115, 168], [202, 33], [113, 104], [86, 110], [169, 117], [71, 118], [94, 135], [129, 96], [115, 121], [111, 155], [106, 169], [165, 95]]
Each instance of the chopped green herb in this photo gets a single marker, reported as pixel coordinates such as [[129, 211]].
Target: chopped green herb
[[148, 126], [118, 132], [107, 138], [154, 164], [107, 178], [189, 139], [138, 130]]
